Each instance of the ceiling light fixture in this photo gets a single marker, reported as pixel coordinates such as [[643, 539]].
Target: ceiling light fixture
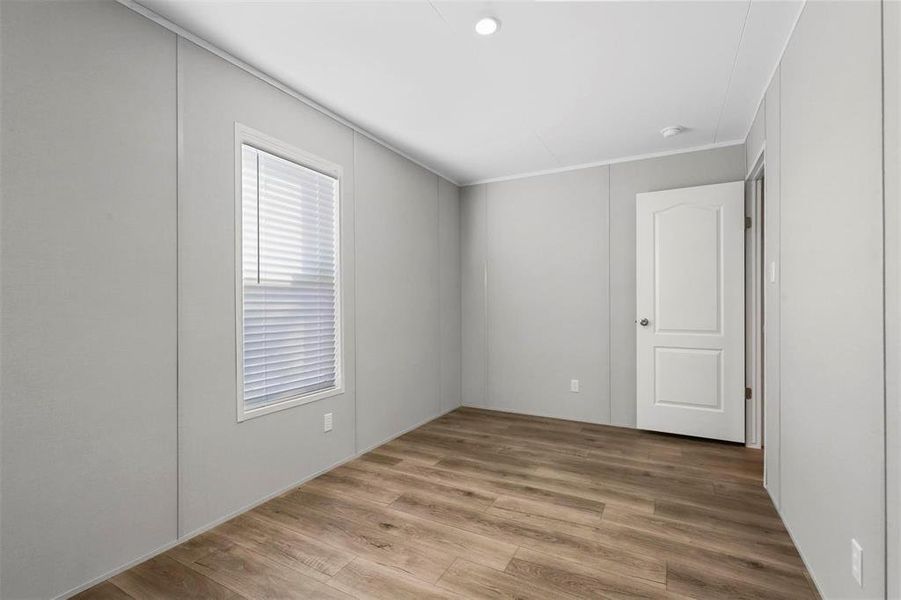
[[668, 132], [487, 26]]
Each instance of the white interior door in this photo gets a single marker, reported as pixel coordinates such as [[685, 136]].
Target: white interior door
[[691, 307]]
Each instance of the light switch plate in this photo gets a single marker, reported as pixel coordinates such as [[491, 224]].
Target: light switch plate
[[574, 385], [327, 422]]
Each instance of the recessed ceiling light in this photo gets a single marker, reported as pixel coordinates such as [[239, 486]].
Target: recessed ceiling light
[[671, 131], [487, 26]]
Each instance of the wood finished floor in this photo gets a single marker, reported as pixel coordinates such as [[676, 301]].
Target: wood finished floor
[[480, 504]]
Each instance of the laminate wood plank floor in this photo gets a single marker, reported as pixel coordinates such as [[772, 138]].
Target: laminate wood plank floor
[[482, 504]]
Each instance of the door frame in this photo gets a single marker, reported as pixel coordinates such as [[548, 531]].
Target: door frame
[[755, 201]]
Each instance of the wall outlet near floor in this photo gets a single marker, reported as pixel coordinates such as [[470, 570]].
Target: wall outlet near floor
[[574, 385], [327, 422], [857, 562]]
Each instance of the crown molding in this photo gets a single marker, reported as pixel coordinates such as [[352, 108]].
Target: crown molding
[[611, 161]]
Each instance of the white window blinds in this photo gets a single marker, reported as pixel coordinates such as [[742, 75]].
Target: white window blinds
[[290, 280]]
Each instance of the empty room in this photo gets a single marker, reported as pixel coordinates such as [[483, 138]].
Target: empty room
[[439, 299]]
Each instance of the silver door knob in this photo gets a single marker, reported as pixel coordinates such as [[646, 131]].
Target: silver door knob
[[644, 322]]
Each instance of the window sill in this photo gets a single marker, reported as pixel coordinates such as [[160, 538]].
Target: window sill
[[246, 415]]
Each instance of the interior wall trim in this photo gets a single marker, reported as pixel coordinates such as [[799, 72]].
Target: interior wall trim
[[769, 80], [182, 32], [612, 161], [757, 162]]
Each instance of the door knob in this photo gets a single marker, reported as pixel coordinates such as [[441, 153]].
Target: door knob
[[644, 322]]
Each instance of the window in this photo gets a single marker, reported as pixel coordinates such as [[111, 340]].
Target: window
[[289, 309]]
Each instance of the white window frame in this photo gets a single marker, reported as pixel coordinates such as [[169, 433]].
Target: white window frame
[[266, 143]]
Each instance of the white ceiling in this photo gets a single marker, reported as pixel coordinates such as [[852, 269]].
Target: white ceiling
[[560, 84]]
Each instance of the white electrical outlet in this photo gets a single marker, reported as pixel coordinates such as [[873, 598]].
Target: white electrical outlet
[[857, 562], [327, 422], [574, 385]]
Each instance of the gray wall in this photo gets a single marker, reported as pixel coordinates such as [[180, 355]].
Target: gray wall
[[547, 281], [226, 466], [88, 293], [824, 167], [559, 304], [892, 162], [118, 260], [473, 304], [398, 301], [832, 361], [450, 295]]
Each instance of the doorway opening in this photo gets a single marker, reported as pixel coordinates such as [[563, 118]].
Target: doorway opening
[[755, 287]]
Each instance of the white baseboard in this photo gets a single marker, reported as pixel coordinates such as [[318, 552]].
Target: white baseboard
[[251, 506]]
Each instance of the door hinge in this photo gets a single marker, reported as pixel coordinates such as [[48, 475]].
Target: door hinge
[[747, 393], [747, 222]]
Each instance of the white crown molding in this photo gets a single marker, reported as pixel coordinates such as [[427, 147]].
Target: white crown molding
[[611, 161], [182, 32]]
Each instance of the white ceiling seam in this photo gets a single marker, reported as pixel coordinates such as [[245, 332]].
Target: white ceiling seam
[[438, 11], [741, 37], [546, 147], [182, 32]]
